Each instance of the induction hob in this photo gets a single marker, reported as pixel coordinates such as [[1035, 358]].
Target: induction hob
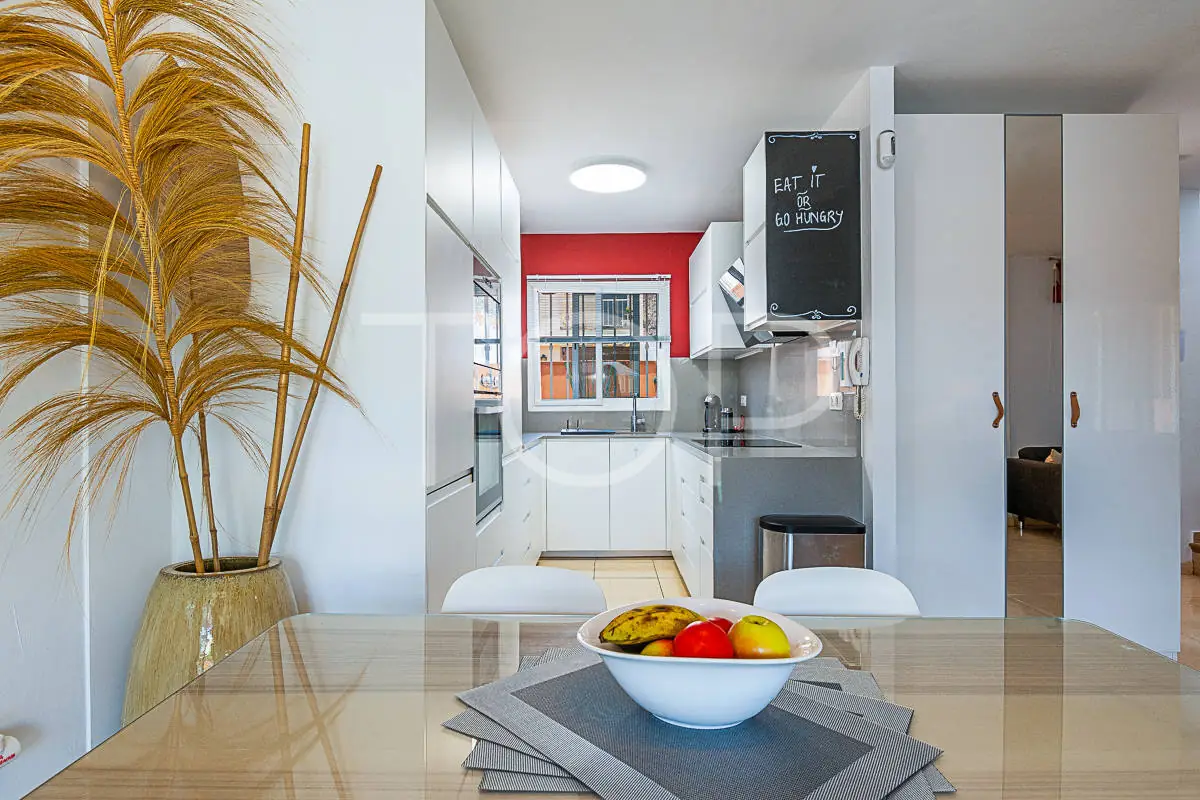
[[739, 441]]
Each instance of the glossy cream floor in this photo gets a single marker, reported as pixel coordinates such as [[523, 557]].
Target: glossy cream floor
[[628, 580]]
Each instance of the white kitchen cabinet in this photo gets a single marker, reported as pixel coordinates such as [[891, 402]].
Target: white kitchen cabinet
[[449, 119], [690, 504], [510, 213], [713, 332], [577, 499], [706, 572], [638, 494], [486, 233], [754, 258], [754, 175], [450, 544], [491, 541], [524, 508], [449, 426]]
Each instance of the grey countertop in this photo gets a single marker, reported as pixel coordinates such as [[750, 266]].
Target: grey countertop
[[710, 453]]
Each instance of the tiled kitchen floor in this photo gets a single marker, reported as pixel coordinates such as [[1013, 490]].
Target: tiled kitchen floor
[[628, 580]]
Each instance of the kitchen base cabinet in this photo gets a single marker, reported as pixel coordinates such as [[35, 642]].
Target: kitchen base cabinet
[[637, 494], [450, 544], [690, 506], [577, 501]]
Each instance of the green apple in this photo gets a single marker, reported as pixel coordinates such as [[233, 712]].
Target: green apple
[[661, 647], [758, 637]]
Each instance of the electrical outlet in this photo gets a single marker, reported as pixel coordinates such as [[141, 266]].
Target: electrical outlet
[[742, 401], [835, 401]]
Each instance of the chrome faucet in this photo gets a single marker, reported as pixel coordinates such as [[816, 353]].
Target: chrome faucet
[[636, 423]]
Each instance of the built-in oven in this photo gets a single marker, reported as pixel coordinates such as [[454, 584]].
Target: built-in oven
[[489, 457]]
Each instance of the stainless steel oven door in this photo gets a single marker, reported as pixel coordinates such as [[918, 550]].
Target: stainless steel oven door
[[489, 456]]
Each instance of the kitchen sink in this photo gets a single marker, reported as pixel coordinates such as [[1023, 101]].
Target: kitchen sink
[[602, 432]]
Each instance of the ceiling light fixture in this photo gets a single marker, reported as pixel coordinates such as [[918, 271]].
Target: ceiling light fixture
[[608, 177]]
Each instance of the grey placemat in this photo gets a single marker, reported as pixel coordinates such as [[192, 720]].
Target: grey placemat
[[843, 754], [495, 781], [478, 726], [818, 685], [489, 755]]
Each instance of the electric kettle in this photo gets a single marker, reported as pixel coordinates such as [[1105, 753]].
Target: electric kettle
[[712, 413]]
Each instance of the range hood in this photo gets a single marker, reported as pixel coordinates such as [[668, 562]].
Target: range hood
[[733, 287]]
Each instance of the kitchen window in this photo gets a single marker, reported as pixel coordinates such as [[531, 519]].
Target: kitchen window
[[593, 342]]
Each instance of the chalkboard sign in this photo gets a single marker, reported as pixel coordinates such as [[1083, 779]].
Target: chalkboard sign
[[813, 225]]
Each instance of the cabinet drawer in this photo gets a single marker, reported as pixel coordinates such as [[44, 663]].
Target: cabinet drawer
[[490, 544]]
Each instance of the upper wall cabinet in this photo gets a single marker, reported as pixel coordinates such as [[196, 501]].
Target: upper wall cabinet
[[713, 332], [486, 233], [449, 120], [510, 213], [464, 171], [802, 196]]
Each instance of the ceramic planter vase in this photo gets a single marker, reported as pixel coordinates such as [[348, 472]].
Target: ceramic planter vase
[[193, 621]]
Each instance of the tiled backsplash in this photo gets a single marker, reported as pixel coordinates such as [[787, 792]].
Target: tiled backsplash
[[785, 401]]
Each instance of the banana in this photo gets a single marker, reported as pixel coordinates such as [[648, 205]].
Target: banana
[[648, 623]]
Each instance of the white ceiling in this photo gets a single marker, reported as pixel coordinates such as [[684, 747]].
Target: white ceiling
[[687, 86]]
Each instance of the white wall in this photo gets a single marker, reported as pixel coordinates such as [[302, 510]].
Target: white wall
[[870, 107], [1189, 371], [1033, 356], [353, 531], [43, 658]]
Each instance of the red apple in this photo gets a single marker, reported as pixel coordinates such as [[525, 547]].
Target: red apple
[[758, 637], [703, 639], [661, 647], [722, 623]]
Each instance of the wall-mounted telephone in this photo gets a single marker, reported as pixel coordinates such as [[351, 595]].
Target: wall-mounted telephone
[[854, 367]]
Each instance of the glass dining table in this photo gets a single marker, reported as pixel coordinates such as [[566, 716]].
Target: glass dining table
[[331, 706]]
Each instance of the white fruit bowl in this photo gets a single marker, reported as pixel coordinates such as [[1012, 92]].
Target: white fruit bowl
[[701, 692]]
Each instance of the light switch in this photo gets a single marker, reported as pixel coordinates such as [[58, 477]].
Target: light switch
[[835, 401], [742, 401]]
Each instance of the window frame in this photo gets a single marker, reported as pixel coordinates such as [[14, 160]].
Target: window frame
[[586, 284]]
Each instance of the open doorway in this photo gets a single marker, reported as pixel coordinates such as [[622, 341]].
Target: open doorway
[[1034, 365]]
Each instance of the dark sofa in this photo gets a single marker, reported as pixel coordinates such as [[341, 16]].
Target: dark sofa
[[1035, 487]]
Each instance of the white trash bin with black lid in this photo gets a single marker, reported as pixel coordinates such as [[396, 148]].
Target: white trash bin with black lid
[[792, 541]]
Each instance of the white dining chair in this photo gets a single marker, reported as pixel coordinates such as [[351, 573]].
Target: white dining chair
[[524, 590], [836, 592]]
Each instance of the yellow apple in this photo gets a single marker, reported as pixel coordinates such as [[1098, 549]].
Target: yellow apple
[[661, 647], [758, 637]]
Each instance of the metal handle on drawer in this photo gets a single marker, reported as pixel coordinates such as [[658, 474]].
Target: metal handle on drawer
[[528, 514], [499, 558], [703, 479]]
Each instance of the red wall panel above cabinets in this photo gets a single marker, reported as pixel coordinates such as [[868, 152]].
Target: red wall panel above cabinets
[[615, 254]]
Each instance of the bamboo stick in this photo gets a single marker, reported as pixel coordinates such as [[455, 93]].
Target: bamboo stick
[[330, 333], [270, 513], [189, 505], [206, 486]]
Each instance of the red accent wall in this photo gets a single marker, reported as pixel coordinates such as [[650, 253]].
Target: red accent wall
[[614, 254]]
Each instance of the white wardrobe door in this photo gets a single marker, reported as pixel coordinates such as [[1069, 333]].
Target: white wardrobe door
[[1121, 358], [950, 359]]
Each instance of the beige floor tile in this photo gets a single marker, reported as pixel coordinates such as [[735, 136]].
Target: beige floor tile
[[587, 565], [623, 591], [667, 569], [625, 568], [673, 587]]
